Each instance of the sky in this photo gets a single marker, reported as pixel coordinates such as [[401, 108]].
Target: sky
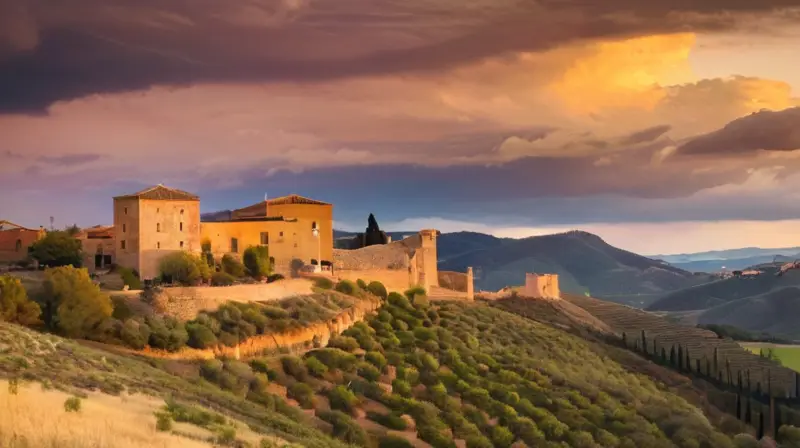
[[663, 127]]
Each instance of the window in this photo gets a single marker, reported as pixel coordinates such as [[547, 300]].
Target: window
[[181, 211], [313, 225], [181, 244], [126, 210], [181, 227], [122, 244], [234, 245], [280, 234], [264, 238], [158, 245], [18, 245], [158, 227], [158, 210], [123, 227]]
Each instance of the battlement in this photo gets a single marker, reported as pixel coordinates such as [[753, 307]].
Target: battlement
[[542, 286]]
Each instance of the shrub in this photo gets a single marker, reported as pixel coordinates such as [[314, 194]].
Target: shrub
[[72, 404], [134, 334], [130, 278], [184, 268], [167, 333], [232, 266], [274, 278], [224, 434], [789, 435], [315, 367], [391, 421], [346, 343], [15, 307], [394, 442], [323, 283], [377, 359], [361, 284], [256, 261], [377, 289], [222, 279], [303, 393], [334, 358], [413, 292], [398, 300], [344, 427], [200, 336], [293, 366], [342, 399], [368, 371], [346, 287], [78, 303], [401, 387], [163, 421], [502, 436], [57, 248]]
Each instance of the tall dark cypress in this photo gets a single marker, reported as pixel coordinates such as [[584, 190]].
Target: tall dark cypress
[[644, 342], [672, 357], [728, 370], [758, 388], [697, 366], [664, 356], [655, 347], [749, 384], [625, 339], [739, 407], [778, 420], [688, 361], [748, 413], [761, 424], [716, 362], [708, 367], [739, 384], [680, 357]]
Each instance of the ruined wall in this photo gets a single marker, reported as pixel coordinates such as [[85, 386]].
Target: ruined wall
[[301, 338], [542, 285], [457, 281]]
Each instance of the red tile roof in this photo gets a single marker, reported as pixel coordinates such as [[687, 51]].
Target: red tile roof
[[161, 193]]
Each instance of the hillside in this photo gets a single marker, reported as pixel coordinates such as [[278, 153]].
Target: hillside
[[774, 312], [719, 292], [728, 254], [584, 262], [732, 264]]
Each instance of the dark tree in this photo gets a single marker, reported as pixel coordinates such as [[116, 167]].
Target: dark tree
[[739, 406], [373, 234], [680, 357], [761, 424], [644, 342], [672, 357], [748, 413], [57, 248]]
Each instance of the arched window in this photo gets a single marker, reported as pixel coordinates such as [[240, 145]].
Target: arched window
[[18, 245], [181, 211], [314, 225], [158, 227]]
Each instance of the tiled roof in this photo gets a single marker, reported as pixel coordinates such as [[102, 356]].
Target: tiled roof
[[162, 193], [8, 225], [294, 199]]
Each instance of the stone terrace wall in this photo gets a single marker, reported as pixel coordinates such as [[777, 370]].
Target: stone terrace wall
[[384, 256], [457, 281]]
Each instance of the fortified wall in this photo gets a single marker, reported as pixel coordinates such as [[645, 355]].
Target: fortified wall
[[542, 286]]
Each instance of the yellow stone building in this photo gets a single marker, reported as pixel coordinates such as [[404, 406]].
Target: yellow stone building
[[154, 222]]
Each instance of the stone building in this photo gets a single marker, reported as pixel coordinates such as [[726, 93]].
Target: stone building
[[156, 221], [542, 286], [152, 223], [286, 225], [98, 246], [15, 241]]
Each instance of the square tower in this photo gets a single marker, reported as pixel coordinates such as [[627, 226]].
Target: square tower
[[152, 223]]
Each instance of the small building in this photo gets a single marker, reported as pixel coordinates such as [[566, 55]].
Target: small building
[[542, 286], [15, 241], [98, 246]]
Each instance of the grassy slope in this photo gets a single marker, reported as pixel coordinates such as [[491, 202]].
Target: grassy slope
[[71, 367], [472, 371], [788, 355], [586, 260]]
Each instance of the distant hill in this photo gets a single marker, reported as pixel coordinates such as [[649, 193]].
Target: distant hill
[[774, 312], [732, 264], [729, 254], [720, 292], [584, 262]]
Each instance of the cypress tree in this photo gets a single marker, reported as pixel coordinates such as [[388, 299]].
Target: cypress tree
[[680, 357], [644, 342], [688, 361], [663, 356], [748, 413], [739, 407], [761, 424], [672, 357], [655, 347], [739, 380], [697, 366], [708, 368], [728, 370], [716, 361], [625, 339], [778, 420], [749, 384], [758, 388]]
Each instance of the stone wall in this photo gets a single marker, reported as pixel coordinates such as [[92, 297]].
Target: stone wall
[[393, 256], [394, 280], [542, 285], [298, 339], [457, 281]]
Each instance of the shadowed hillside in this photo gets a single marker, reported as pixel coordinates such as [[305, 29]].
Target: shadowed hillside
[[774, 313], [584, 262]]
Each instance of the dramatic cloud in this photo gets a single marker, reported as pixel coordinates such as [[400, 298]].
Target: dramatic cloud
[[765, 130], [62, 51]]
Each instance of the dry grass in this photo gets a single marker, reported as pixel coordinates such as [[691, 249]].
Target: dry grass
[[36, 418]]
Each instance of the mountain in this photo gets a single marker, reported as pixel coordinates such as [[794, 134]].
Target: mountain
[[773, 312], [729, 254], [732, 264], [583, 261], [720, 292]]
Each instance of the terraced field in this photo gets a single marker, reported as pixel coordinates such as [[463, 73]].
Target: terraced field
[[700, 343]]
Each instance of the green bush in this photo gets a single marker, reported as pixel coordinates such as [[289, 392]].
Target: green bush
[[167, 333], [315, 367], [256, 262], [394, 442], [377, 359], [232, 266], [342, 399], [334, 358], [79, 304], [15, 307], [163, 421], [344, 427], [502, 436], [361, 284], [368, 371], [323, 283], [346, 343], [398, 300], [224, 435], [303, 393], [200, 336], [129, 278], [72, 404], [222, 279], [184, 268], [135, 334], [377, 289], [346, 287], [57, 248], [391, 421], [274, 278], [292, 365], [413, 292]]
